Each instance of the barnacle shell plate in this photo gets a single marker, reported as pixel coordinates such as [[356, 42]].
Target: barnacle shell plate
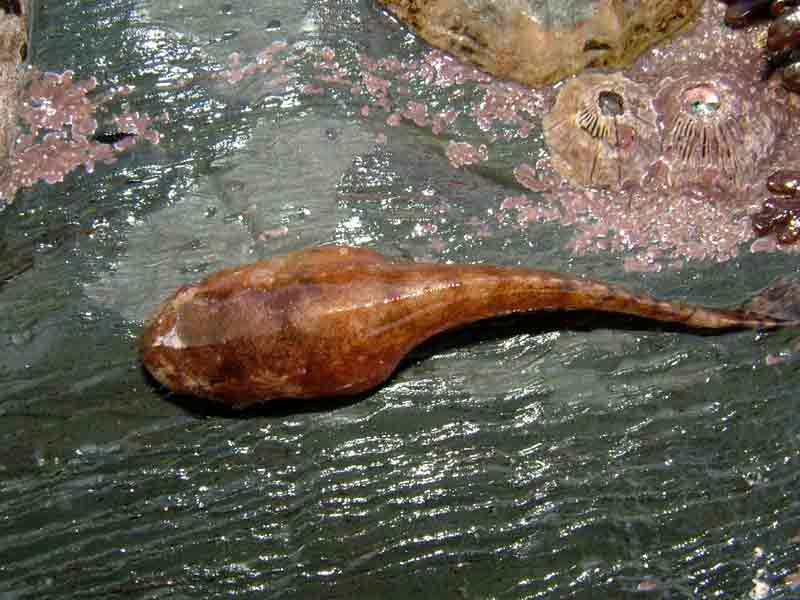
[[717, 130], [602, 131]]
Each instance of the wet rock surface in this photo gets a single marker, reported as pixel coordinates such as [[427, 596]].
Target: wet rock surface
[[565, 459]]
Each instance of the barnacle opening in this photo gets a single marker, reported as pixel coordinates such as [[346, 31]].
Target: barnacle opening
[[716, 131], [702, 100], [702, 135], [611, 103], [598, 119]]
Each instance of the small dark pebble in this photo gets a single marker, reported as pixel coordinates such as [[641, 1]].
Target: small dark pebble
[[782, 51], [789, 233], [780, 216], [274, 24], [785, 182], [791, 77], [779, 7], [775, 61], [747, 12], [784, 33], [111, 137], [11, 7], [764, 220]]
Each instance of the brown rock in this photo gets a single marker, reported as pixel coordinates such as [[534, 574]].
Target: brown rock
[[536, 42], [13, 50]]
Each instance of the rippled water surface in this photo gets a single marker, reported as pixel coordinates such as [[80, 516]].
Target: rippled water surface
[[541, 457]]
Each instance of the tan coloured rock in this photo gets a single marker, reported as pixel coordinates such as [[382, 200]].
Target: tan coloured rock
[[537, 42], [13, 50]]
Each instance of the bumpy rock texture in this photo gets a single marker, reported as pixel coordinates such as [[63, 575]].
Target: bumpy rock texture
[[13, 50], [537, 42]]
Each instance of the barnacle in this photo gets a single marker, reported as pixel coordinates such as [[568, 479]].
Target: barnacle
[[602, 131], [716, 129]]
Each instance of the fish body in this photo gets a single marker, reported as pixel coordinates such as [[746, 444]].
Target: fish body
[[337, 320]]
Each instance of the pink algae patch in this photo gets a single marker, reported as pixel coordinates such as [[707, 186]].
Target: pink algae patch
[[508, 103], [417, 112], [461, 153], [61, 115], [237, 70], [652, 228], [276, 232], [527, 212], [388, 84], [475, 115]]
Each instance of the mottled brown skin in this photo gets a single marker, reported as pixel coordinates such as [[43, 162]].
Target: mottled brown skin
[[336, 321]]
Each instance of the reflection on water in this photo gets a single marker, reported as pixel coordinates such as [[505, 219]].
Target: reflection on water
[[567, 457]]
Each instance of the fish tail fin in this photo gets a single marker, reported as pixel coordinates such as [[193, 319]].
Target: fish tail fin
[[780, 302]]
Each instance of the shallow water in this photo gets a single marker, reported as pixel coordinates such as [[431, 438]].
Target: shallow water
[[558, 457]]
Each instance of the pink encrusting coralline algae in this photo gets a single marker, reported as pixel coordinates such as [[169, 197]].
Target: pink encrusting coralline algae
[[264, 63], [462, 153], [479, 123], [654, 229], [651, 227], [61, 117]]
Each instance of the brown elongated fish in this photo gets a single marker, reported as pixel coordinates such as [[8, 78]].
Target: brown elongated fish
[[336, 321]]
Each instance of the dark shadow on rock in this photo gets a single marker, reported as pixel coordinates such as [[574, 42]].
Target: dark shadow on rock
[[546, 322], [271, 409]]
